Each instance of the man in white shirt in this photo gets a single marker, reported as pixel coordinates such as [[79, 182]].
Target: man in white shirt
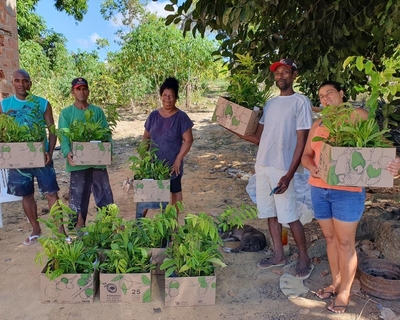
[[281, 135]]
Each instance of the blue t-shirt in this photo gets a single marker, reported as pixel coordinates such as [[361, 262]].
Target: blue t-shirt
[[21, 110], [167, 134]]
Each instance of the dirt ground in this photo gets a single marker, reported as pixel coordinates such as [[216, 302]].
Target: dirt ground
[[216, 173]]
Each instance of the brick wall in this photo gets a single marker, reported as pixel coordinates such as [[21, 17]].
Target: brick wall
[[9, 57]]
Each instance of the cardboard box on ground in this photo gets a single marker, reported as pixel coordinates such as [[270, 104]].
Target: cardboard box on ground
[[359, 167], [91, 153], [132, 287], [68, 288], [17, 155], [151, 190], [234, 117], [190, 291]]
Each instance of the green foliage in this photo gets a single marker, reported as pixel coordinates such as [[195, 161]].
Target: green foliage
[[100, 232], [126, 255], [130, 10], [156, 232], [319, 35], [234, 217], [153, 52], [243, 88], [85, 131], [147, 165], [194, 249], [11, 131], [347, 130], [383, 86], [30, 25], [62, 256]]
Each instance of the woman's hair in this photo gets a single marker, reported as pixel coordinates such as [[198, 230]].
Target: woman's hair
[[336, 85], [170, 83]]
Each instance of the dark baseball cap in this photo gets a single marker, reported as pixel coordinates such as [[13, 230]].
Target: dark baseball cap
[[77, 82], [289, 63]]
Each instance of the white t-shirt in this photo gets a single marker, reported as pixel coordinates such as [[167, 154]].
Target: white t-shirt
[[282, 117]]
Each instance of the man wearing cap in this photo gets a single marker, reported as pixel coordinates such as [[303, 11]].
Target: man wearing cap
[[281, 135], [84, 179], [21, 181]]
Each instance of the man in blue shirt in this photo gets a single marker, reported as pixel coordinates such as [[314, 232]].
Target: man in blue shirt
[[21, 181]]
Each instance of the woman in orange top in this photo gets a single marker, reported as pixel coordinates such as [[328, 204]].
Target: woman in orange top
[[338, 209]]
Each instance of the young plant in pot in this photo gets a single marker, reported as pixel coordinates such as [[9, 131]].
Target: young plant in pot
[[22, 145], [244, 89], [150, 174], [11, 131], [191, 261], [70, 271], [64, 256], [146, 165], [240, 111], [86, 131], [90, 140], [125, 273], [100, 233], [354, 151], [156, 232]]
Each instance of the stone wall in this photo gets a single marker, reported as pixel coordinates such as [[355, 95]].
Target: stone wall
[[9, 56]]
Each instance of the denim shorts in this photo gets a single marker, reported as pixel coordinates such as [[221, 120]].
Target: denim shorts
[[21, 181], [346, 206]]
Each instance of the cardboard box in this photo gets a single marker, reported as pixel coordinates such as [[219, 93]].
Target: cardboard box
[[132, 287], [360, 167], [151, 190], [16, 155], [68, 288], [91, 153], [235, 117], [190, 291]]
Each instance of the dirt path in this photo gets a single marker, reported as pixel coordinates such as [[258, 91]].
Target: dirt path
[[216, 170]]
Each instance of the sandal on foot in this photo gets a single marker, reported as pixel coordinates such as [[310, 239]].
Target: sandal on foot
[[334, 309], [31, 240], [306, 272], [323, 294], [266, 264]]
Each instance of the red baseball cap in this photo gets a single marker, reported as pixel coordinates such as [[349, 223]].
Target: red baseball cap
[[288, 63]]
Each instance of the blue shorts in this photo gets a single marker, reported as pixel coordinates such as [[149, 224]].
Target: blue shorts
[[346, 206], [176, 184], [21, 182]]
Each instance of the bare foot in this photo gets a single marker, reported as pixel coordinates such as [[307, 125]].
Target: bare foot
[[303, 270]]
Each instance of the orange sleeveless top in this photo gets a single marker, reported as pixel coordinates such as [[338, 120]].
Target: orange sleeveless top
[[321, 131]]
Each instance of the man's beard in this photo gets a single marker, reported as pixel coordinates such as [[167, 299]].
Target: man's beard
[[283, 85]]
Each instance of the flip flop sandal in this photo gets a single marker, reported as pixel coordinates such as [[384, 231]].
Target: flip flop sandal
[[263, 264], [322, 292], [31, 240], [343, 307]]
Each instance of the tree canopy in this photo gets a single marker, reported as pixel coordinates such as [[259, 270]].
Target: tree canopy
[[150, 51], [318, 34]]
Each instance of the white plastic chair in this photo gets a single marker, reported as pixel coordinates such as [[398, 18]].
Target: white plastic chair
[[4, 196]]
